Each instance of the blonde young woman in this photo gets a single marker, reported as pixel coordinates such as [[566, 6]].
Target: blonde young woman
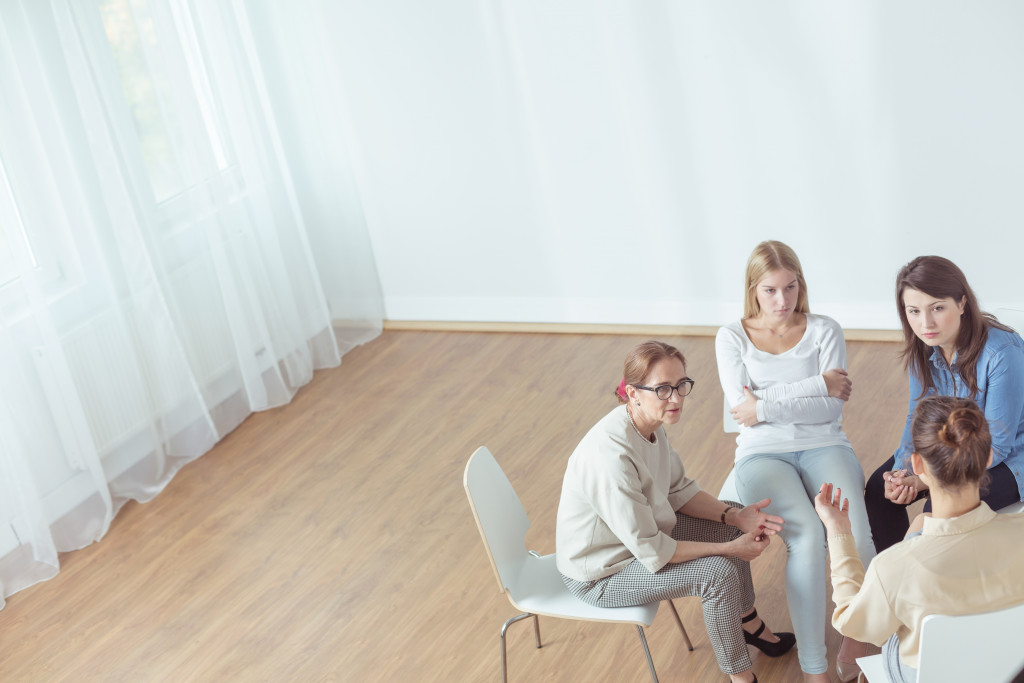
[[783, 371], [965, 559], [633, 528]]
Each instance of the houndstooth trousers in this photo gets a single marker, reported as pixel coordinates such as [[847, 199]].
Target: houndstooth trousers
[[722, 583]]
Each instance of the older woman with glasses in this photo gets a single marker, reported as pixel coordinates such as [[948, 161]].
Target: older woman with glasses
[[633, 528]]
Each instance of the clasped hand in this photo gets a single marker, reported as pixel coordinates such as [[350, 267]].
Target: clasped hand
[[748, 546], [901, 487], [757, 526]]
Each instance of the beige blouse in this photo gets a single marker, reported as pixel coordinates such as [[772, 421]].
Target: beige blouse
[[964, 565]]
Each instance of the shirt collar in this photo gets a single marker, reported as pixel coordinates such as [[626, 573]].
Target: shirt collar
[[969, 521], [939, 361]]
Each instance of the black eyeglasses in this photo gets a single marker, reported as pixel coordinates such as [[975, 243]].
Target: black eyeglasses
[[664, 391]]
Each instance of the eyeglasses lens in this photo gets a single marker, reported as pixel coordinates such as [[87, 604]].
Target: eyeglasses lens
[[664, 392]]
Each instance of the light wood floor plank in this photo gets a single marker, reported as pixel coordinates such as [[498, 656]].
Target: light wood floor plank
[[330, 539]]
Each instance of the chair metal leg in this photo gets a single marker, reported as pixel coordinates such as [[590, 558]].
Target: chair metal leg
[[519, 617], [679, 622], [647, 653], [536, 632]]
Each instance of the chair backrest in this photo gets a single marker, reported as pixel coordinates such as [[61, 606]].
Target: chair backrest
[[971, 647], [500, 516], [728, 424]]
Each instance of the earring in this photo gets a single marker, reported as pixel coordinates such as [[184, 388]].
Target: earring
[[638, 402]]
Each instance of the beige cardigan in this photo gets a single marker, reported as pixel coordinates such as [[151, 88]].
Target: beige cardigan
[[968, 564]]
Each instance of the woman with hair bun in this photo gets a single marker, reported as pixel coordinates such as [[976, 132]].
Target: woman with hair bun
[[951, 348], [965, 559], [633, 529]]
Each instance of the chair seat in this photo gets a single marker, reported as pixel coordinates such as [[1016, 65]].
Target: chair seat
[[539, 589], [729, 491], [873, 668], [1012, 508]]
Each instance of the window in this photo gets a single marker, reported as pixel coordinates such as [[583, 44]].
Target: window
[[15, 250], [146, 59]]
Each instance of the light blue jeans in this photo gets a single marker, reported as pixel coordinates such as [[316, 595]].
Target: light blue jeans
[[792, 480]]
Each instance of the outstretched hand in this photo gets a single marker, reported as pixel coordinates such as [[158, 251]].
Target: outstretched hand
[[753, 519], [745, 412], [833, 510]]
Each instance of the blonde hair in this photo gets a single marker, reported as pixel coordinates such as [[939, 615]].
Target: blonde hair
[[768, 256]]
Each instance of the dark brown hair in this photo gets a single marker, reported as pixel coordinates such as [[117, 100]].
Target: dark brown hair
[[952, 436], [642, 358], [768, 256], [940, 278]]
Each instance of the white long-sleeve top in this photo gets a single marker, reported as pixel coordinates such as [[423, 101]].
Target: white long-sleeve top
[[794, 409]]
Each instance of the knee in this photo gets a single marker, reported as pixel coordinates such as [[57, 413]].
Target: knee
[[808, 541], [875, 487], [723, 574]]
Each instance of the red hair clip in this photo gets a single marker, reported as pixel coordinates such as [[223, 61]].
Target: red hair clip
[[621, 391]]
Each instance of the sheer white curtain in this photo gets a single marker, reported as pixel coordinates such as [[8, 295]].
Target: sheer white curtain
[[158, 273]]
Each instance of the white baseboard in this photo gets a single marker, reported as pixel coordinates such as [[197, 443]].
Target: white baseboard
[[613, 311]]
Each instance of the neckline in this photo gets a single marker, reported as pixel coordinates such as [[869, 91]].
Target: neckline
[[953, 526], [807, 327], [938, 358], [629, 418]]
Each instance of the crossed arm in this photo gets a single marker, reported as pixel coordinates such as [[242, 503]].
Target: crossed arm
[[812, 400]]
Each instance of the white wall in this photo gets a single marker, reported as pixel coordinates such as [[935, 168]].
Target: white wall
[[615, 162]]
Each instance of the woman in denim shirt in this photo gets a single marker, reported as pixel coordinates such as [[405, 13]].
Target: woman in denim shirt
[[952, 348]]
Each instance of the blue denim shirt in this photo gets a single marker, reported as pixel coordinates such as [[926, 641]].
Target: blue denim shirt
[[1000, 394]]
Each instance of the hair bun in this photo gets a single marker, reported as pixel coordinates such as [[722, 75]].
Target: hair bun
[[962, 424], [952, 436]]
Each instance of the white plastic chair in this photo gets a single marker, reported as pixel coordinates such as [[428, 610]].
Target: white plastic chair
[[531, 581], [729, 426], [969, 647], [1012, 508]]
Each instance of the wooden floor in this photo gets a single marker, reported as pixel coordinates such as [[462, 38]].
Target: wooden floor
[[331, 540]]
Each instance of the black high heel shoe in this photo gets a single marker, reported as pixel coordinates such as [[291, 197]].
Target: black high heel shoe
[[785, 644]]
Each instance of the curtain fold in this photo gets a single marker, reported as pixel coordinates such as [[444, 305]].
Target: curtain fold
[[296, 46], [161, 273]]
